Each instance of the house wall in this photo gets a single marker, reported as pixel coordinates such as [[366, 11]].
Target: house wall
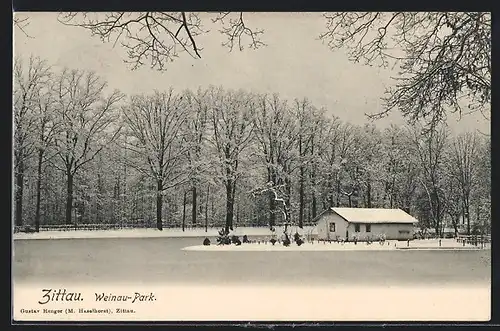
[[323, 227], [392, 231]]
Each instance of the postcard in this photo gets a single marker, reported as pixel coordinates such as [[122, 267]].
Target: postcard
[[227, 166]]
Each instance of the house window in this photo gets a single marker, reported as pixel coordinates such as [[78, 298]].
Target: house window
[[368, 228], [356, 228], [332, 227], [404, 232]]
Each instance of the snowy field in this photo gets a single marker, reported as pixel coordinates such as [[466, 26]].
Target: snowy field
[[163, 261], [154, 233]]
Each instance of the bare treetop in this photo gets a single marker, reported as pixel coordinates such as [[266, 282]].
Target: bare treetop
[[21, 24], [159, 37], [444, 58]]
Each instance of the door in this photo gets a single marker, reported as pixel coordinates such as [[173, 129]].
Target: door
[[347, 235]]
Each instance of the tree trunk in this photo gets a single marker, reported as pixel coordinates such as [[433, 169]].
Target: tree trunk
[[194, 210], [350, 200], [467, 215], [338, 193], [184, 201], [369, 195], [229, 205], [314, 205], [313, 186], [159, 204], [301, 198], [206, 209], [272, 213], [330, 194], [38, 189], [69, 196], [19, 192], [237, 223], [437, 212], [288, 199], [272, 202], [392, 191], [100, 188], [212, 211], [456, 219]]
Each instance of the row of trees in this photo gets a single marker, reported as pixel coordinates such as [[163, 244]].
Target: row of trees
[[84, 153]]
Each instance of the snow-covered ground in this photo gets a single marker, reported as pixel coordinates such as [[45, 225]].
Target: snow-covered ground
[[325, 246], [264, 232], [256, 233]]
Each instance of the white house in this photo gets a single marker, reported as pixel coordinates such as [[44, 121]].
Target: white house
[[364, 224]]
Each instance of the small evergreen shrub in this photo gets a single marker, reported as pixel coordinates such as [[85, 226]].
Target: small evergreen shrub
[[235, 240], [223, 238]]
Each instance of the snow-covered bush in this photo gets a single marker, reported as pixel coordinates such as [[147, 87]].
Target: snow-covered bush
[[223, 238], [286, 241], [235, 240], [298, 240]]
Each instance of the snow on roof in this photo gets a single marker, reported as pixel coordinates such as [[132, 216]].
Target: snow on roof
[[374, 215]]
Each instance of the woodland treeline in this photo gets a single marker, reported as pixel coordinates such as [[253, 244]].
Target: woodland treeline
[[87, 154]]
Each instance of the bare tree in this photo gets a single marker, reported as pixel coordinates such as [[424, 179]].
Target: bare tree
[[28, 82], [347, 180], [444, 58], [196, 129], [430, 148], [463, 168], [234, 28], [330, 159], [276, 134], [232, 132], [160, 37], [402, 168], [46, 126], [21, 23], [155, 124], [370, 152], [86, 123], [276, 194], [454, 202]]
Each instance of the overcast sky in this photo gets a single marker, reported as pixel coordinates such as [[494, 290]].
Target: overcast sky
[[294, 64]]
